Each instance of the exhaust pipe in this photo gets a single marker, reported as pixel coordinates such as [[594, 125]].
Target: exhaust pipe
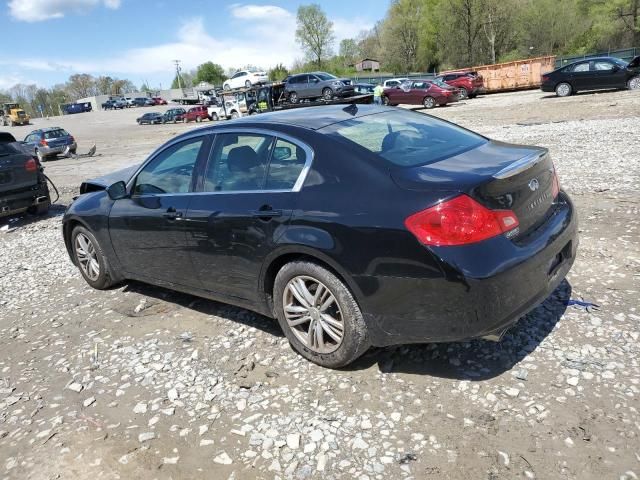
[[40, 200]]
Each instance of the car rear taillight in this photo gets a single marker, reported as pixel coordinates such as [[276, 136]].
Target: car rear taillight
[[71, 138], [31, 165], [555, 184], [545, 78], [44, 143], [459, 221]]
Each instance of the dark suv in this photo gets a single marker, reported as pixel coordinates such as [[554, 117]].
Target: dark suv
[[317, 85]]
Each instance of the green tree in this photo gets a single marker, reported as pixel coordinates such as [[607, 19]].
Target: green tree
[[278, 73], [314, 33], [185, 81], [401, 35], [211, 73], [349, 51]]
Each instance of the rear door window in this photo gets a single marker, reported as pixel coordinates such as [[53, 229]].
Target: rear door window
[[581, 67], [406, 138], [287, 162]]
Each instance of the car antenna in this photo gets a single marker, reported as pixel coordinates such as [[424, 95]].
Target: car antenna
[[351, 109]]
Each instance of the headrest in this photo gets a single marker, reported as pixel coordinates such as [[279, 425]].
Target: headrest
[[242, 159]]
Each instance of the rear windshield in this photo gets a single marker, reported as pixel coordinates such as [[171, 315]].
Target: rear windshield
[[9, 149], [406, 138], [55, 134]]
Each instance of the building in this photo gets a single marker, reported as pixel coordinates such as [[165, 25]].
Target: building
[[368, 65]]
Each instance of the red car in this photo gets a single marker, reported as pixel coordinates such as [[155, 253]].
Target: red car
[[420, 92], [159, 101], [196, 114], [470, 84]]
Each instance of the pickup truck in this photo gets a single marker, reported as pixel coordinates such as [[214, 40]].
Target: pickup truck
[[23, 186]]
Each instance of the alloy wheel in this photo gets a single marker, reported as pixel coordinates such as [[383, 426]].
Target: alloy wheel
[[563, 90], [463, 93], [313, 314], [87, 257], [327, 93], [293, 97], [429, 102], [634, 83]]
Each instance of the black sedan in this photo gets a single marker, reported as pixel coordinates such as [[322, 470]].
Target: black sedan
[[593, 74], [353, 226], [150, 118]]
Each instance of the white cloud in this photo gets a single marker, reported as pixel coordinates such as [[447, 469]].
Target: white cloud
[[40, 10]]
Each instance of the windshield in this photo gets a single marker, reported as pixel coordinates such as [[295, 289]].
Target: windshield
[[406, 138], [325, 76], [440, 83], [55, 134]]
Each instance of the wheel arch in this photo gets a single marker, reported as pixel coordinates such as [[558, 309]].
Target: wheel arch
[[281, 257]]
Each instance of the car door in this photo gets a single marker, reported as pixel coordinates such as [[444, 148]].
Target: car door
[[315, 86], [248, 192], [581, 77], [608, 75], [30, 142], [147, 229]]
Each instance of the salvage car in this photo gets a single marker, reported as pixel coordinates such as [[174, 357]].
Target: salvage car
[[23, 186], [49, 142], [245, 78], [317, 85], [353, 226], [174, 115], [593, 74], [150, 118], [469, 84], [420, 92], [196, 114]]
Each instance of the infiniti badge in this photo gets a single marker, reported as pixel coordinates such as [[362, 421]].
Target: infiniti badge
[[534, 185]]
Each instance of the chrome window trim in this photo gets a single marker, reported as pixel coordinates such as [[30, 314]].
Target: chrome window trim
[[297, 186]]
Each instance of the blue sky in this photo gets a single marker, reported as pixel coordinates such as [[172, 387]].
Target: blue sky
[[138, 39]]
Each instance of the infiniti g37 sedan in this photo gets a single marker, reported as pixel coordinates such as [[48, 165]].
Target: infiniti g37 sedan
[[353, 226]]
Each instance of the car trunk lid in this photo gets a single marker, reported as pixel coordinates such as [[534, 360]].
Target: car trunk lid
[[14, 172], [499, 176]]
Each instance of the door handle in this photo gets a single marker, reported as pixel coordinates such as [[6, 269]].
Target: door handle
[[172, 214], [266, 212]]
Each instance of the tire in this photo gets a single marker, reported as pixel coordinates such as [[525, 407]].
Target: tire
[[92, 251], [464, 94], [226, 87], [198, 119], [342, 311], [41, 157], [327, 94], [184, 120], [234, 115], [247, 84], [634, 83], [429, 102], [293, 97], [563, 89], [214, 117], [385, 100]]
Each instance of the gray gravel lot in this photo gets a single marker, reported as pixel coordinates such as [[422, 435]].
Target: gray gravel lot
[[140, 382]]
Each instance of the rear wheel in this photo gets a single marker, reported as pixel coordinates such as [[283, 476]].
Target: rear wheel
[[247, 84], [198, 119], [226, 86], [234, 115], [429, 102], [184, 120], [90, 258], [634, 83], [41, 157], [385, 100], [293, 97], [463, 93], [327, 93], [563, 89], [214, 117], [319, 315]]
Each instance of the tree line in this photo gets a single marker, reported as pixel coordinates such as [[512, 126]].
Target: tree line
[[427, 35], [81, 85]]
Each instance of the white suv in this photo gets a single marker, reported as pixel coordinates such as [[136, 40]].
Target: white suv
[[245, 78]]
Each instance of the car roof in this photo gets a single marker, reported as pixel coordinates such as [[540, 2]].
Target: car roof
[[47, 129], [590, 59], [312, 118]]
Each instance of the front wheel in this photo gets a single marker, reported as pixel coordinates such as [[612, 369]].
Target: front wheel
[[247, 84], [464, 94], [634, 83], [563, 89], [293, 97], [214, 117], [226, 87], [198, 119], [90, 258], [327, 94], [319, 315], [41, 157], [429, 102], [234, 115]]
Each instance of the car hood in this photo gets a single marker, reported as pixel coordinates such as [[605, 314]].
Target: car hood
[[101, 183]]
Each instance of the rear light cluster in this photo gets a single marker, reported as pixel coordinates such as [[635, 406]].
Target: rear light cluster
[[44, 143], [555, 185], [459, 221], [31, 165], [545, 78]]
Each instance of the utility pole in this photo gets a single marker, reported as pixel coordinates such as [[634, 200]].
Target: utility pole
[[178, 69]]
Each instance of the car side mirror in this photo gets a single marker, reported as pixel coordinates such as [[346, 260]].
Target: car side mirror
[[615, 68], [117, 190], [282, 153]]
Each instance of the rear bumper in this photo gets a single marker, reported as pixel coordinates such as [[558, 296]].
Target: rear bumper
[[19, 201], [483, 289], [547, 87], [46, 151]]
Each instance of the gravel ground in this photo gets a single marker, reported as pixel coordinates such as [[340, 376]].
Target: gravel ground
[[140, 382]]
